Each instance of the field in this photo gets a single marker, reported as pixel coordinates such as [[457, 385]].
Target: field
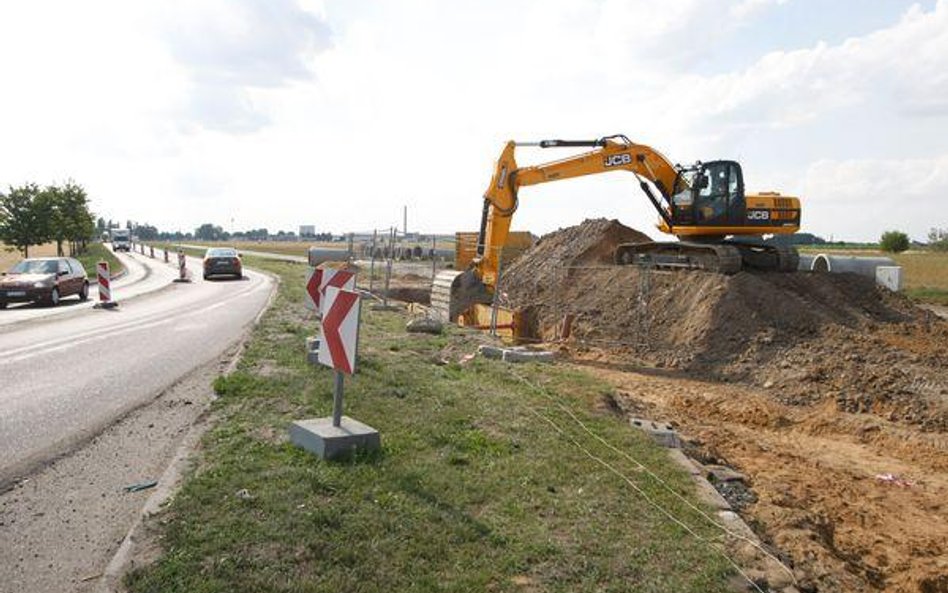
[[9, 256], [94, 253], [300, 248]]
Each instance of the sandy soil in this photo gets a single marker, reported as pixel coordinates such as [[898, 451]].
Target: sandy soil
[[820, 477]]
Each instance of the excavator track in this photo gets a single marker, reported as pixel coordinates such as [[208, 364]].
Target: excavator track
[[718, 258], [729, 257]]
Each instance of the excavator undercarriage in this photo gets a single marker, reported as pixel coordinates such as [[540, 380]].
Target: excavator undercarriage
[[724, 257]]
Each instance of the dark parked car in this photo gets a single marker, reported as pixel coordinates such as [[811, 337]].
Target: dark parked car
[[222, 260], [44, 280]]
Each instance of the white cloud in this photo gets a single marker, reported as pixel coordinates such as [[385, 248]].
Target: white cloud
[[229, 49], [905, 64], [859, 199]]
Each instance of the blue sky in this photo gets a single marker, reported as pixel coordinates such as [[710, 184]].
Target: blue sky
[[277, 113]]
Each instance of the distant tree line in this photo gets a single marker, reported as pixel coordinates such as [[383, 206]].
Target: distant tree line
[[33, 215], [938, 239]]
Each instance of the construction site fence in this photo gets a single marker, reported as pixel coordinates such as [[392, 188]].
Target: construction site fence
[[571, 326]]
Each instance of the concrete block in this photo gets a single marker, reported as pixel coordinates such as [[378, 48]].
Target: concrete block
[[889, 277], [488, 351], [312, 357], [320, 437], [312, 343], [424, 325], [517, 355], [661, 433]]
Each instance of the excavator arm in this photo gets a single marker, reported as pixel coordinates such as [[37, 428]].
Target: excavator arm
[[612, 153]]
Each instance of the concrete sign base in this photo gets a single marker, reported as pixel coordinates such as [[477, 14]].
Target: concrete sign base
[[320, 437]]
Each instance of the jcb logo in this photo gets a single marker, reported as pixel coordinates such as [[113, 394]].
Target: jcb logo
[[616, 160], [758, 215]]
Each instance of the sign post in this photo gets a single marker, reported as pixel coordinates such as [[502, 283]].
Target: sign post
[[338, 435]]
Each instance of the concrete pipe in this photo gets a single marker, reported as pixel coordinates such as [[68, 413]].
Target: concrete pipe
[[416, 252], [318, 255], [864, 266], [806, 262]]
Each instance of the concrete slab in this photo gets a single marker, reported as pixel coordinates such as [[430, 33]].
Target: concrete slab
[[661, 433], [320, 437], [515, 354], [488, 351]]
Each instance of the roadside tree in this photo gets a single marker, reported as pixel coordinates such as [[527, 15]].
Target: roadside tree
[[24, 217], [894, 241]]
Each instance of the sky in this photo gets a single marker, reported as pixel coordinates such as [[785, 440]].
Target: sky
[[337, 113]]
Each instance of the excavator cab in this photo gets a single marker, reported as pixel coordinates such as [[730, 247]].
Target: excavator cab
[[709, 194]]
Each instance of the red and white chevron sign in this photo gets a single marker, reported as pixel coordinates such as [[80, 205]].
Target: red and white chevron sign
[[105, 288], [340, 335], [311, 295], [319, 279]]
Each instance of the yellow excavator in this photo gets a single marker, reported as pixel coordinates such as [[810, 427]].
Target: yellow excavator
[[719, 227]]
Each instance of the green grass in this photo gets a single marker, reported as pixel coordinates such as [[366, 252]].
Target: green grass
[[473, 490], [96, 252], [938, 296]]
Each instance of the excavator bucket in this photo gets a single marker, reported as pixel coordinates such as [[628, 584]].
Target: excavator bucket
[[453, 293]]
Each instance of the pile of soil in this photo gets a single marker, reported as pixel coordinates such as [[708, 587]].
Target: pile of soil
[[806, 337]]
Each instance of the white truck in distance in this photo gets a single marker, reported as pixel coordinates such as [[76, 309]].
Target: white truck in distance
[[121, 240]]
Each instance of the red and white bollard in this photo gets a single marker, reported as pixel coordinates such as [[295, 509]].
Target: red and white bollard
[[166, 256], [182, 268], [105, 286], [151, 252]]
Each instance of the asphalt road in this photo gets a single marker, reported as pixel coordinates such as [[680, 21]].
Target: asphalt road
[[65, 377]]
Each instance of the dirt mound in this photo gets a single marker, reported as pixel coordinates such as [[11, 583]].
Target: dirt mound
[[588, 244], [808, 337]]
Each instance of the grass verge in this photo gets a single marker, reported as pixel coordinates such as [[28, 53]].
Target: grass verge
[[96, 252], [938, 296], [475, 488]]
